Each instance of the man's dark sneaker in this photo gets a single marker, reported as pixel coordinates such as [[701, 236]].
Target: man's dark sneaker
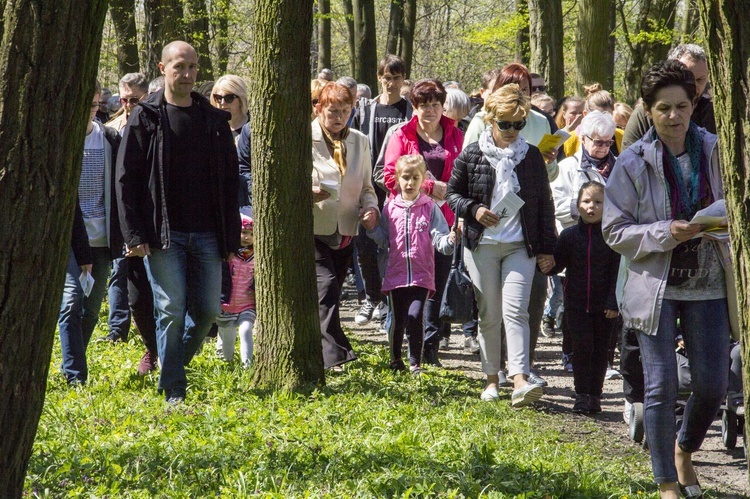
[[595, 405], [148, 363], [111, 337], [548, 327], [430, 356], [175, 397], [415, 370], [364, 315], [582, 404]]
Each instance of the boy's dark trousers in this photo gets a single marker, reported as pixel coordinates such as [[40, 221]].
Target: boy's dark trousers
[[591, 337]]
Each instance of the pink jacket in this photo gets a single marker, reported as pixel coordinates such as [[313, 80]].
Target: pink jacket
[[410, 233], [243, 285], [404, 141]]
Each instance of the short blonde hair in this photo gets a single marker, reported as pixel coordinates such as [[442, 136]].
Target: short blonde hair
[[506, 100], [411, 161], [234, 85]]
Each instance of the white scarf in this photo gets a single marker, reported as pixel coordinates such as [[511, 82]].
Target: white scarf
[[504, 161]]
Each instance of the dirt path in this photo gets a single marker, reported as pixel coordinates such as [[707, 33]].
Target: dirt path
[[723, 470]]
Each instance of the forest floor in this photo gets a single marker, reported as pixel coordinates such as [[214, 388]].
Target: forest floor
[[721, 469]]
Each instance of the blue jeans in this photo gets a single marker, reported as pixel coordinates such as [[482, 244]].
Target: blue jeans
[[705, 330], [80, 313], [119, 311], [186, 279], [556, 299]]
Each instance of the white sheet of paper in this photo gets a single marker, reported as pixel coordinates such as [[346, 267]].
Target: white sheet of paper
[[508, 206], [712, 216], [87, 282]]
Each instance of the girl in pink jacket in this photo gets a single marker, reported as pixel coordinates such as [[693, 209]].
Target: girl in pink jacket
[[238, 305], [410, 226]]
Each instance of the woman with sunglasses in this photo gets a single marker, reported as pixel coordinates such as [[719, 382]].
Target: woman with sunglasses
[[499, 187], [593, 161], [230, 94]]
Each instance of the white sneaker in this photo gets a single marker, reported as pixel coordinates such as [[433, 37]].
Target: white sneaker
[[612, 373], [489, 394], [380, 311], [627, 408]]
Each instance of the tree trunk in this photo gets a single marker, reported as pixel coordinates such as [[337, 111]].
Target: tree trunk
[[365, 43], [689, 24], [546, 43], [123, 19], [289, 352], [324, 34], [220, 28], [196, 20], [727, 33], [349, 14], [395, 24], [522, 33], [44, 71], [594, 61], [163, 20], [407, 34], [645, 50]]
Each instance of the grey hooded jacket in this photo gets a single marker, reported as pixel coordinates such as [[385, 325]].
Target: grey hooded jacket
[[636, 224]]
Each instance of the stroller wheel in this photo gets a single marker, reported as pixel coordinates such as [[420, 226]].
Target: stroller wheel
[[729, 429], [636, 422]]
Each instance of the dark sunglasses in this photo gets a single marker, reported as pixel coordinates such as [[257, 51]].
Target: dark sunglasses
[[132, 101], [539, 88], [229, 98], [504, 126], [601, 143]]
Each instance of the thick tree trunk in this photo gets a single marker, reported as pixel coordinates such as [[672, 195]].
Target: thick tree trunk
[[522, 34], [728, 34], [407, 34], [289, 351], [196, 21], [395, 24], [349, 15], [324, 34], [594, 61], [123, 18], [44, 72], [163, 25], [220, 28], [365, 42], [645, 51], [546, 42]]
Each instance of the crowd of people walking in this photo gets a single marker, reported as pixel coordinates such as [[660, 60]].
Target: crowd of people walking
[[570, 213]]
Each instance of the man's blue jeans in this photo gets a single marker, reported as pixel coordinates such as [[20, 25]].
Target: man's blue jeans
[[80, 313], [186, 279], [705, 330], [556, 299], [117, 292]]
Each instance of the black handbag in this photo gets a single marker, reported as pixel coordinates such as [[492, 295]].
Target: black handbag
[[457, 304]]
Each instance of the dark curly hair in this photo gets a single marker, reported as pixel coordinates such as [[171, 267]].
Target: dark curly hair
[[666, 74]]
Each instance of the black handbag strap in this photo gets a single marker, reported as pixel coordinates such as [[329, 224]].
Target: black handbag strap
[[457, 253]]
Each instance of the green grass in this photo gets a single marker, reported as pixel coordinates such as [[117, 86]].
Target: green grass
[[369, 433]]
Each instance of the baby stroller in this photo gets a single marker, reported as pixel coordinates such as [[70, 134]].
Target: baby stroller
[[733, 410]]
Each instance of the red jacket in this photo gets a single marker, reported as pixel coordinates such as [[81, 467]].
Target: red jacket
[[404, 141]]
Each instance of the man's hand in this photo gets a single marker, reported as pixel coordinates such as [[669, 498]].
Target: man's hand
[[141, 250], [86, 269], [610, 314]]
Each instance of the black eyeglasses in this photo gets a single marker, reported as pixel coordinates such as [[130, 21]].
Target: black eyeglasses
[[504, 126], [229, 98], [132, 101], [601, 143], [538, 88]]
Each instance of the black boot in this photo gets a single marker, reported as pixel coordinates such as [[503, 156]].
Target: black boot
[[430, 356]]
